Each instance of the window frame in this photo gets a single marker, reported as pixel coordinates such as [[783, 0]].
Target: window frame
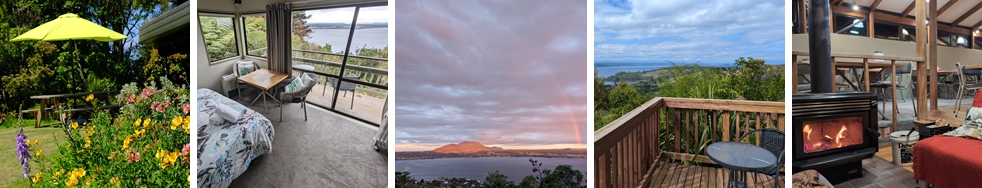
[[245, 34], [234, 32]]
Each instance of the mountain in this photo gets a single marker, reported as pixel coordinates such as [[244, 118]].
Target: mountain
[[466, 147]]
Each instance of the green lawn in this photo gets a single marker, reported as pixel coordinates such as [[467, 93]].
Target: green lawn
[[10, 171]]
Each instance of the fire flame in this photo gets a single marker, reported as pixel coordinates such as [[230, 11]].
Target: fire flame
[[808, 132], [840, 135]]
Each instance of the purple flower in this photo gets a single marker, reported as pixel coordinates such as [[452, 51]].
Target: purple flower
[[22, 152]]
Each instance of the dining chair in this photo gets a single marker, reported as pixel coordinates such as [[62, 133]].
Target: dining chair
[[242, 68], [346, 86], [804, 82], [884, 85], [299, 95], [963, 84], [772, 140]]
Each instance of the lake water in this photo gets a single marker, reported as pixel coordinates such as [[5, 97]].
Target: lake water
[[608, 71], [369, 38], [516, 168]]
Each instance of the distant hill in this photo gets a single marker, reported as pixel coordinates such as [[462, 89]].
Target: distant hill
[[346, 25], [466, 147], [472, 149]]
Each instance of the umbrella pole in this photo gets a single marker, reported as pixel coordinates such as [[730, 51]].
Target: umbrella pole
[[80, 72]]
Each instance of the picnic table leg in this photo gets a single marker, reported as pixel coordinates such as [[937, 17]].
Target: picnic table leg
[[37, 124]]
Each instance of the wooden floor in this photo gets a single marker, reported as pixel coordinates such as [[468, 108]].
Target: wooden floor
[[945, 112], [674, 174]]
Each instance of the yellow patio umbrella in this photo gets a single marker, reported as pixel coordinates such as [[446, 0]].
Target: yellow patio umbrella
[[70, 27]]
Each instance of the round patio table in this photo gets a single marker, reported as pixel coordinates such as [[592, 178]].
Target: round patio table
[[740, 158], [307, 68]]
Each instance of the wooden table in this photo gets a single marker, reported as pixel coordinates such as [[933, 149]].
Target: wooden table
[[53, 99], [264, 79]]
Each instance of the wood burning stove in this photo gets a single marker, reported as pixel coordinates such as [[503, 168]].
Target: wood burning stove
[[833, 133]]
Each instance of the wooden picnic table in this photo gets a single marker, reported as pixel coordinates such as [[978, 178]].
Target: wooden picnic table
[[53, 99]]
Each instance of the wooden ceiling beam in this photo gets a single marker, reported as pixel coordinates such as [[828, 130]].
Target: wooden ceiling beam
[[946, 6], [908, 9], [967, 14], [891, 18], [872, 8], [977, 25]]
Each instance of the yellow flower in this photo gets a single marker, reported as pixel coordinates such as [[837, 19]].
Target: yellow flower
[[126, 142], [160, 154], [35, 141], [173, 157], [137, 123], [60, 171], [37, 177], [74, 125], [28, 143], [89, 98], [175, 122], [114, 180], [187, 124], [88, 142], [146, 123], [37, 153]]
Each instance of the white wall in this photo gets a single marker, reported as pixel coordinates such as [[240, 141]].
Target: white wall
[[210, 75], [947, 56]]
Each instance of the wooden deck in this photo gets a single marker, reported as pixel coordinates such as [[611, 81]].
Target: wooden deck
[[631, 151], [365, 107], [675, 174]]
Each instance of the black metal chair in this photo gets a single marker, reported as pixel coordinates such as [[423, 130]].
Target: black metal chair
[[773, 141]]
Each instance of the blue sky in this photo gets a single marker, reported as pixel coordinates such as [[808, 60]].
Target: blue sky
[[687, 31]]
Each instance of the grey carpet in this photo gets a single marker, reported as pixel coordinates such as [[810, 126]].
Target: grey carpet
[[327, 150]]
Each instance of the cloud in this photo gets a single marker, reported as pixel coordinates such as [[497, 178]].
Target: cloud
[[714, 31], [379, 14], [507, 73]]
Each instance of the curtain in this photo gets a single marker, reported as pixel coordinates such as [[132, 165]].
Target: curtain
[[278, 45]]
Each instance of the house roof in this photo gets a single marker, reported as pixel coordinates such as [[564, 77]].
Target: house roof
[[175, 20]]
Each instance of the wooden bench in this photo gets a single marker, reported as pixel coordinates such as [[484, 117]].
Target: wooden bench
[[53, 99]]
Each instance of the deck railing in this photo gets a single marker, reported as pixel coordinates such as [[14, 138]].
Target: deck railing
[[368, 74], [629, 148]]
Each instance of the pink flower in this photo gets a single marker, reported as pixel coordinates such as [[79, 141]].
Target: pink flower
[[130, 99], [186, 108], [146, 93], [157, 107], [187, 148], [134, 157]]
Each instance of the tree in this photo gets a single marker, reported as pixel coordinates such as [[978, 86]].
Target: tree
[[563, 176], [497, 180], [300, 27]]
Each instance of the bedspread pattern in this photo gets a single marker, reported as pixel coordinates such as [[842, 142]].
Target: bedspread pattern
[[225, 150]]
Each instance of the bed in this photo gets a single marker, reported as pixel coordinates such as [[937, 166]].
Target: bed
[[226, 149]]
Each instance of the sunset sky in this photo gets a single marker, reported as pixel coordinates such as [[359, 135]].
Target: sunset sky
[[504, 75]]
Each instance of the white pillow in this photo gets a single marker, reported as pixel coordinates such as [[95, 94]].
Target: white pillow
[[295, 85], [227, 112]]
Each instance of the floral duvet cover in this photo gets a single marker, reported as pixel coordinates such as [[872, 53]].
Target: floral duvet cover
[[225, 150]]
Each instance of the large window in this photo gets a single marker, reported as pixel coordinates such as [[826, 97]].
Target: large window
[[887, 31], [254, 27], [909, 33], [844, 22], [219, 36], [321, 42]]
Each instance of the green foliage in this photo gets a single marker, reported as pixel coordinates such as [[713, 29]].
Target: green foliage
[[748, 79], [496, 179], [219, 37], [757, 81], [146, 144], [561, 176], [40, 67]]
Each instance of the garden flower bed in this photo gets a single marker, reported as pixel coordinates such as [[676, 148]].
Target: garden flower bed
[[145, 145]]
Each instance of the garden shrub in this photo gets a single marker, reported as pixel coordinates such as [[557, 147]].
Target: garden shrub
[[145, 144]]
